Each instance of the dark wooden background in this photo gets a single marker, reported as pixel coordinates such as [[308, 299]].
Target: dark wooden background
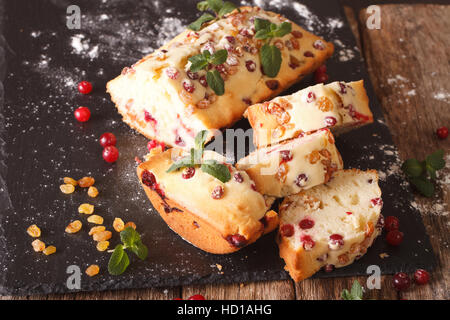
[[413, 41]]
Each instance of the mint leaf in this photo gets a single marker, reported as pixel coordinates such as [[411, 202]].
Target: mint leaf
[[436, 160], [217, 170], [140, 250], [270, 60], [226, 8], [412, 168], [215, 81], [182, 163], [357, 291], [119, 261], [215, 5], [263, 34], [282, 30], [424, 186], [202, 6], [129, 237], [197, 24], [345, 295], [200, 139], [198, 62], [219, 57], [261, 24]]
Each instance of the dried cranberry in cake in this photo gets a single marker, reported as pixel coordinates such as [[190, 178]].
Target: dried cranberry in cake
[[336, 241], [330, 121], [394, 237], [209, 46], [236, 240], [376, 202], [308, 54], [349, 212], [148, 179], [328, 268], [295, 44], [84, 87], [293, 62], [172, 73], [108, 139], [202, 81], [221, 68], [392, 223], [272, 84], [306, 224], [188, 86], [247, 101], [308, 242], [238, 177], [152, 144], [421, 276], [250, 65], [231, 39], [148, 118], [188, 173], [287, 230], [286, 155], [301, 180], [380, 222], [253, 186], [319, 45], [401, 281], [192, 75], [322, 258], [343, 87], [232, 60], [217, 192], [310, 97], [297, 34]]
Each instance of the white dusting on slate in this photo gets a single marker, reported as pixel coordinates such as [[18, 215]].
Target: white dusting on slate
[[441, 95]]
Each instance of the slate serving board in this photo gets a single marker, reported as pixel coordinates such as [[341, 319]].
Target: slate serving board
[[40, 142]]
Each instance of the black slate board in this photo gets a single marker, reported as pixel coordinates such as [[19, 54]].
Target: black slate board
[[41, 143]]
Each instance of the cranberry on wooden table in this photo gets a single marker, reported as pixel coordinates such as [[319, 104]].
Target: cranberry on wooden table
[[442, 132], [85, 87], [394, 237], [82, 114], [401, 281], [196, 297], [421, 276], [108, 139], [110, 154]]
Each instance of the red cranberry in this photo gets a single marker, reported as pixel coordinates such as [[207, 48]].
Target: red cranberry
[[152, 144], [203, 81], [177, 299], [311, 97], [253, 186], [297, 34], [343, 87], [179, 141], [110, 154], [247, 101], [107, 139], [286, 155], [394, 237], [336, 241], [306, 224], [421, 276], [148, 117], [308, 242], [188, 173], [308, 54], [380, 222], [301, 180], [328, 268], [217, 192], [221, 68], [192, 75], [392, 223], [172, 73], [322, 69], [188, 86], [319, 45], [197, 297], [330, 121], [236, 240], [320, 77], [84, 87], [238, 177], [251, 65], [231, 39], [401, 281], [287, 230], [82, 114], [376, 202], [148, 179], [272, 84], [349, 212], [442, 132]]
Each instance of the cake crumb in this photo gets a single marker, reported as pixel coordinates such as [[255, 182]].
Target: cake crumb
[[219, 266], [384, 255]]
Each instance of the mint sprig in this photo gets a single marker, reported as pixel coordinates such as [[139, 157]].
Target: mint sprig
[[211, 167], [269, 54], [203, 61], [218, 7], [421, 174], [355, 293], [119, 261]]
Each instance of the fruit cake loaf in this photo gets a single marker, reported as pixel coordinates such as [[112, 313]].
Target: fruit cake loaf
[[293, 165], [213, 216], [161, 98], [330, 225], [338, 105]]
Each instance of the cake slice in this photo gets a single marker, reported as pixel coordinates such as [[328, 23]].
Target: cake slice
[[330, 225], [161, 98], [339, 106], [293, 165], [217, 217]]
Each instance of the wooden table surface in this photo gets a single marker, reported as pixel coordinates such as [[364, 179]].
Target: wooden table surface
[[413, 42]]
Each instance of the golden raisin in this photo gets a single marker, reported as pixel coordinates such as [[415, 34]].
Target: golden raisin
[[118, 224], [92, 192], [92, 270], [49, 250], [86, 182], [278, 132], [102, 236], [67, 188], [74, 226], [96, 229], [34, 231], [324, 104], [130, 224], [68, 180], [38, 245], [102, 245], [86, 208], [95, 219], [314, 157], [370, 229]]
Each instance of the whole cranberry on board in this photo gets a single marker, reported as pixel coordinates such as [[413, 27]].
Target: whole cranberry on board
[[394, 237], [421, 276], [82, 114], [442, 133], [110, 154], [391, 223], [401, 281], [321, 69], [108, 139], [196, 297], [320, 77], [85, 87]]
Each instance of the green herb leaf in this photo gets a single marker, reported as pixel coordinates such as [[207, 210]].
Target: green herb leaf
[[119, 261], [412, 168], [215, 81], [226, 8], [356, 292], [424, 186], [219, 57], [436, 160], [261, 24], [200, 139], [217, 170], [198, 62], [263, 34], [202, 6], [140, 250], [182, 163], [282, 30], [345, 295], [129, 237], [197, 24], [270, 60], [215, 5]]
